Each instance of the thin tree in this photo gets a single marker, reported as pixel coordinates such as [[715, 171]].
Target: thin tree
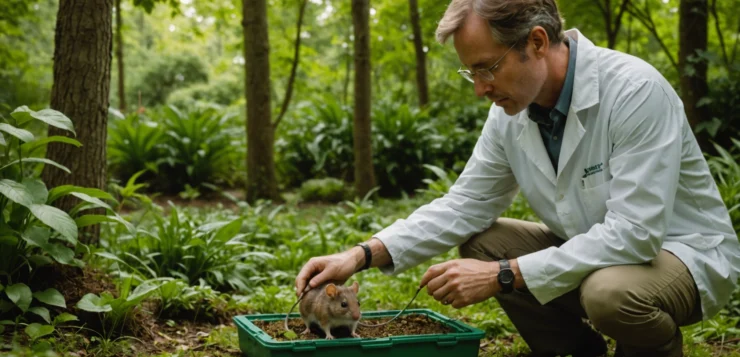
[[82, 60], [693, 16], [261, 182], [119, 59], [362, 130], [421, 67]]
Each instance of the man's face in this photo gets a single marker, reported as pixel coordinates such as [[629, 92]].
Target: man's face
[[516, 83]]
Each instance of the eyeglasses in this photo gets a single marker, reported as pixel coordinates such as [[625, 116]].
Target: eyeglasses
[[485, 74]]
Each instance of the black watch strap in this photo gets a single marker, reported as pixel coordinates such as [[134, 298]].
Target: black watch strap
[[368, 256], [505, 276]]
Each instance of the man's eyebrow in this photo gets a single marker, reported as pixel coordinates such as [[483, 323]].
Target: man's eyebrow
[[479, 64]]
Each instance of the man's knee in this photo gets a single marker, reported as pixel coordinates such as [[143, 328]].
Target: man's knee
[[606, 303], [622, 312]]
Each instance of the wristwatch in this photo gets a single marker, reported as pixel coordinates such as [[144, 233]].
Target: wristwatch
[[506, 277]]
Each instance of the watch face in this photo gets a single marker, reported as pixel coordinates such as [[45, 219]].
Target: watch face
[[506, 276]]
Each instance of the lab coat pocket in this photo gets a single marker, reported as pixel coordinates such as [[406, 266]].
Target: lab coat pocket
[[594, 201], [697, 240]]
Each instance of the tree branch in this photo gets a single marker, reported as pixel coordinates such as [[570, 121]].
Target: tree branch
[[646, 20], [294, 68], [713, 10]]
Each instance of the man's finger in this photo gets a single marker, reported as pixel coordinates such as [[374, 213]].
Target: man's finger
[[319, 279], [431, 273], [306, 272]]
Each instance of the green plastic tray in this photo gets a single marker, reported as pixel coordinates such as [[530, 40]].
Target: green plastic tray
[[254, 342]]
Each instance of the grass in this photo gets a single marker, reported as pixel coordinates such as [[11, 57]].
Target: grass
[[717, 337]]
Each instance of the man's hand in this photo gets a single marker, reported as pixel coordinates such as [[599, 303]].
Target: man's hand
[[462, 282], [338, 267]]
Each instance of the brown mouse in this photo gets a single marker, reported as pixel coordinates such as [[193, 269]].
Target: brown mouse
[[329, 306]]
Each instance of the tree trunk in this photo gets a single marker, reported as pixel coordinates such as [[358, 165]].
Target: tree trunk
[[261, 181], [82, 59], [294, 67], [421, 67], [364, 172], [693, 29], [119, 59]]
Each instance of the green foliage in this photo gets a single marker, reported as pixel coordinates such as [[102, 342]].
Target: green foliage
[[724, 103], [726, 171], [178, 148], [202, 145], [118, 311], [33, 233], [439, 187], [326, 190], [224, 90], [315, 141], [178, 299], [164, 75], [134, 145], [189, 248]]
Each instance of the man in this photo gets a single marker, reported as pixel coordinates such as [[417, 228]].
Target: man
[[635, 236]]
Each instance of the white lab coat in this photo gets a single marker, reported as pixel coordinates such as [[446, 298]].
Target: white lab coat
[[631, 180]]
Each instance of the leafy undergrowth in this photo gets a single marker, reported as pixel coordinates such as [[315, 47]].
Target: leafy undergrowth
[[178, 318]]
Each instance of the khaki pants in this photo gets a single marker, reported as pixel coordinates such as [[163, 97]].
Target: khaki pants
[[639, 306]]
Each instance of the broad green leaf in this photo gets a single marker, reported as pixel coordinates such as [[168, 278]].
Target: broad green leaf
[[36, 330], [33, 145], [63, 190], [37, 188], [22, 134], [90, 199], [37, 235], [20, 295], [57, 219], [50, 297], [48, 116], [64, 317], [38, 160], [39, 260], [41, 311], [6, 306], [16, 192], [93, 303], [60, 253], [2, 140], [8, 240], [90, 219]]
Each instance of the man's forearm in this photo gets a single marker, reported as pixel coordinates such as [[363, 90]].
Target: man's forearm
[[380, 255]]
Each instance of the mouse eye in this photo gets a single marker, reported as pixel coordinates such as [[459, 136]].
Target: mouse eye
[[358, 301], [344, 304]]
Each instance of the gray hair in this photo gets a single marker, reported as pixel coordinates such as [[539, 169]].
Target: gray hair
[[510, 20]]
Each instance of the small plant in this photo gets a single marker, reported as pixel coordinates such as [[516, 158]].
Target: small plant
[[188, 248], [439, 187], [33, 233], [118, 311], [326, 190]]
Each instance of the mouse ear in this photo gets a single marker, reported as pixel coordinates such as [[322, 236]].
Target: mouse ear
[[355, 287], [331, 290]]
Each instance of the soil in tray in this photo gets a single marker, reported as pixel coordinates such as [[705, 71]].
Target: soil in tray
[[412, 324]]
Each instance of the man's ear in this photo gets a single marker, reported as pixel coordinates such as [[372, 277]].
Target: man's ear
[[540, 41]]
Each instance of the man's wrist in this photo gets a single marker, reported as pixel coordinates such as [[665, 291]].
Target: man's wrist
[[359, 256], [518, 278]]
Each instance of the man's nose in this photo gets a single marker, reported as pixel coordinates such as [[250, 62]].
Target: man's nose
[[482, 88]]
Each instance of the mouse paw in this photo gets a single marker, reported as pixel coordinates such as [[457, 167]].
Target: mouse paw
[[306, 331], [356, 335], [329, 336]]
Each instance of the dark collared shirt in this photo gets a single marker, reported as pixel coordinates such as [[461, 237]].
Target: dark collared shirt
[[551, 121]]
